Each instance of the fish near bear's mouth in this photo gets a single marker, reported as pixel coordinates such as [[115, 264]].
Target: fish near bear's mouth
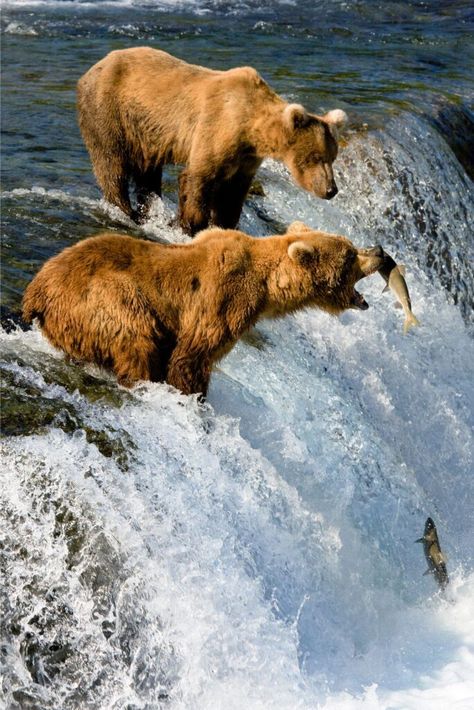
[[369, 261], [358, 301]]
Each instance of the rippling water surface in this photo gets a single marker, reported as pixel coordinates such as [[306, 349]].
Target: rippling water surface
[[255, 552]]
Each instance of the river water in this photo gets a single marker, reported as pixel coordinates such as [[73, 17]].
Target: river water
[[257, 551]]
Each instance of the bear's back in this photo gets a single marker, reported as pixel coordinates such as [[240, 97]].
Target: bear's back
[[140, 71]]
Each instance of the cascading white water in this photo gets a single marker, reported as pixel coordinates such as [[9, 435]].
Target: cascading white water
[[259, 551]]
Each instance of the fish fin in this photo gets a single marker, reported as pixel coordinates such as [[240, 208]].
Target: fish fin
[[387, 288], [402, 269], [397, 304], [428, 571], [409, 321]]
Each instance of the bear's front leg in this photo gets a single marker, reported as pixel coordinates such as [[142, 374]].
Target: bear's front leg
[[194, 202], [147, 184], [228, 200], [189, 370], [112, 176]]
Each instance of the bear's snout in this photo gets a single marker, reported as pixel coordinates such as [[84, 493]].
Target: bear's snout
[[370, 260], [324, 185], [331, 191], [376, 251], [358, 301]]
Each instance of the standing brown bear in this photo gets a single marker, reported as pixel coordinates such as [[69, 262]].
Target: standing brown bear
[[159, 312], [141, 108]]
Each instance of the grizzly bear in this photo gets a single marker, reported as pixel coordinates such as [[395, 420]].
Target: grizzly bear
[[142, 108], [158, 312]]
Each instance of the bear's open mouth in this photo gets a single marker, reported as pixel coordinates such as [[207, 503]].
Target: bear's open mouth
[[358, 301]]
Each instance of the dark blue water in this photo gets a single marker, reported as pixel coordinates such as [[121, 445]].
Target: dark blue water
[[257, 553]]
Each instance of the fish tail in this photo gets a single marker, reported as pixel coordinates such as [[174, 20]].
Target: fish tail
[[410, 320]]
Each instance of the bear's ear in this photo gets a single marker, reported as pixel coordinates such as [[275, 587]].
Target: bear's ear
[[301, 253], [295, 116], [336, 121], [296, 227]]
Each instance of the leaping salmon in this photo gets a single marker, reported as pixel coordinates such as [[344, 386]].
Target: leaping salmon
[[393, 274], [435, 558]]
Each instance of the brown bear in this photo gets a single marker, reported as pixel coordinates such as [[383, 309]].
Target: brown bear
[[141, 108], [159, 312]]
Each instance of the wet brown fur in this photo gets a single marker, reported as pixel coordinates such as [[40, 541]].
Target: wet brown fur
[[141, 108], [157, 312]]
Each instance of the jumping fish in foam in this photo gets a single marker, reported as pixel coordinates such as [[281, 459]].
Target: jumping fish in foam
[[435, 558], [393, 274]]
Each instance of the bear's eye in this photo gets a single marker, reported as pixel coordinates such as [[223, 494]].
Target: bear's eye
[[309, 160]]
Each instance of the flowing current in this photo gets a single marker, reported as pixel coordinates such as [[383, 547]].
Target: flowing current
[[255, 552]]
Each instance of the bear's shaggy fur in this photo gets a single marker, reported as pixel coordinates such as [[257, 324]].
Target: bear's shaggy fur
[[141, 108], [158, 312]]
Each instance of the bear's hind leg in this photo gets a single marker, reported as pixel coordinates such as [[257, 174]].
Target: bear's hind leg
[[147, 184]]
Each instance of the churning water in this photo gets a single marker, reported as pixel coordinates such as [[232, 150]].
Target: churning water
[[257, 551]]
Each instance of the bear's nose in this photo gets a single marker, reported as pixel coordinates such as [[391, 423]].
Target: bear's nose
[[331, 192], [376, 251]]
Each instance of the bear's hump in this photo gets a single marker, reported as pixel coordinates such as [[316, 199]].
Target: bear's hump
[[248, 75], [139, 59]]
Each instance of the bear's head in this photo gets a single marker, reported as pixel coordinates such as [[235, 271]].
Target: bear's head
[[311, 148], [329, 268]]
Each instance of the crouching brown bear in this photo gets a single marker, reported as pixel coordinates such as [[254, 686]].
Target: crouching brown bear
[[141, 108], [158, 312]]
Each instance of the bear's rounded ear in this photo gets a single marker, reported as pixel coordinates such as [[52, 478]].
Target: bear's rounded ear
[[296, 227], [295, 116], [336, 121], [301, 253]]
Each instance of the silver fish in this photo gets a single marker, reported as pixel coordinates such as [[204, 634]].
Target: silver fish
[[393, 274], [435, 558]]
